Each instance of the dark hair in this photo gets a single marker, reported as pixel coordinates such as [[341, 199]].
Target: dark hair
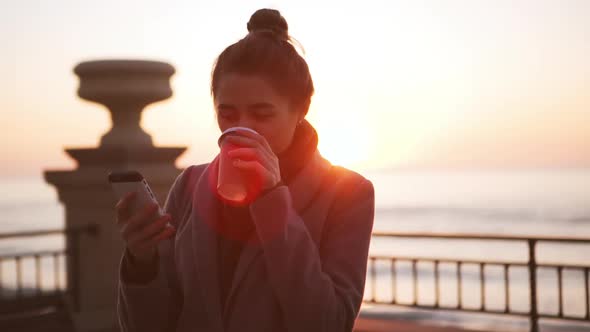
[[268, 51]]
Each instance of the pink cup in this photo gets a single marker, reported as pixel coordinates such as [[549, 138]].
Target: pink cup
[[231, 182]]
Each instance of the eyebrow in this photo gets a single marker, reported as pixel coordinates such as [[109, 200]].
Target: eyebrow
[[251, 107], [260, 105]]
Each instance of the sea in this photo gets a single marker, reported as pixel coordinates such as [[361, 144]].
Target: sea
[[480, 202]]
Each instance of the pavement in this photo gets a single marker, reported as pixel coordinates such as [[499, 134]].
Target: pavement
[[380, 325]]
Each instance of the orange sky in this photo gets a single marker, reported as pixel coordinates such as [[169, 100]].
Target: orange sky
[[421, 83]]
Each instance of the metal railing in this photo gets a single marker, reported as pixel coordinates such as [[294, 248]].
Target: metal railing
[[65, 260], [531, 265]]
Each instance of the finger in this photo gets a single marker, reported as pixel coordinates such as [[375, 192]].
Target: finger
[[167, 232], [267, 177], [245, 153], [253, 166], [123, 205], [259, 138], [252, 143], [252, 154], [149, 230], [139, 219]]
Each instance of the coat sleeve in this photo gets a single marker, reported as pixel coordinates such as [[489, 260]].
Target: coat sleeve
[[154, 305], [319, 289]]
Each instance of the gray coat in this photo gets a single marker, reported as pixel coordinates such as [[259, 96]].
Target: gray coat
[[304, 269]]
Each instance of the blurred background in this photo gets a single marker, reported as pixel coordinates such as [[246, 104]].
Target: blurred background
[[428, 84], [469, 105], [468, 116]]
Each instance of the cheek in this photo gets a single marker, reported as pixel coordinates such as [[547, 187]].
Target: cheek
[[223, 125]]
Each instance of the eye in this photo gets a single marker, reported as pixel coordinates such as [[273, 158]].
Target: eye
[[262, 115], [227, 114], [261, 111]]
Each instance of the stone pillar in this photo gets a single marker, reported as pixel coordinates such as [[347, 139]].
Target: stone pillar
[[125, 87]]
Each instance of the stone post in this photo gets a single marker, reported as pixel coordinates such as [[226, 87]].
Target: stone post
[[125, 87]]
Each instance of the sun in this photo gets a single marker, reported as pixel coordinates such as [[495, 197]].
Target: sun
[[347, 142]]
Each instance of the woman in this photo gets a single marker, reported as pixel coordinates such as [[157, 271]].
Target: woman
[[294, 258]]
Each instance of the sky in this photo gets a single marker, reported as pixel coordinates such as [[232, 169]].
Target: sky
[[399, 84]]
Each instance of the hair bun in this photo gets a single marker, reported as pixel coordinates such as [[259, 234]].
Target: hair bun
[[269, 19]]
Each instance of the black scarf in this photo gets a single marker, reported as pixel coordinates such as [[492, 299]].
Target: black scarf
[[302, 148]]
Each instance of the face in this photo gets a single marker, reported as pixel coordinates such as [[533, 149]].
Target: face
[[249, 101]]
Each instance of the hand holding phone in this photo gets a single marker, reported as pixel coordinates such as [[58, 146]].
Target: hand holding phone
[[124, 182], [141, 221]]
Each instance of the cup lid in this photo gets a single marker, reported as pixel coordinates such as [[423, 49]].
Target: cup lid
[[233, 131]]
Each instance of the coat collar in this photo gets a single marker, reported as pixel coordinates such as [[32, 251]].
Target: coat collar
[[302, 188]]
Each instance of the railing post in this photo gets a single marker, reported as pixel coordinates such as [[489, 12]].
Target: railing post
[[533, 266], [533, 285], [73, 272]]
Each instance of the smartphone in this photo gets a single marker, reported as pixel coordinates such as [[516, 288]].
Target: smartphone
[[124, 182]]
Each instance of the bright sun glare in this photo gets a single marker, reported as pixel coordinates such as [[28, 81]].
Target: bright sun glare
[[346, 143]]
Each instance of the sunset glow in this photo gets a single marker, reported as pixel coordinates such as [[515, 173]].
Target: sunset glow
[[347, 142], [428, 84]]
